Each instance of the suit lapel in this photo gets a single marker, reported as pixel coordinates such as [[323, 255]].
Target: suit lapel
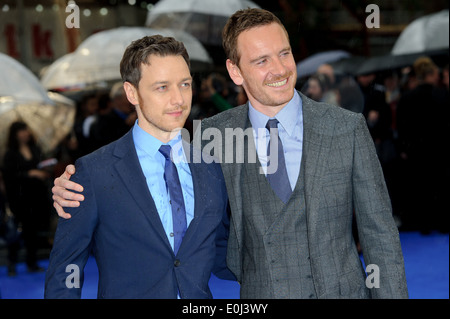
[[129, 169], [316, 146]]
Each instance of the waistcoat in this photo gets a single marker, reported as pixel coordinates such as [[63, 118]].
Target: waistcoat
[[276, 261]]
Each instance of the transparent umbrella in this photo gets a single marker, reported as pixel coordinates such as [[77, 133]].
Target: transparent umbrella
[[19, 82], [97, 58], [49, 115], [204, 19], [427, 33], [396, 61]]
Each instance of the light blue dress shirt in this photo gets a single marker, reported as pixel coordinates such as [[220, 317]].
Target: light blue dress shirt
[[152, 164], [290, 131]]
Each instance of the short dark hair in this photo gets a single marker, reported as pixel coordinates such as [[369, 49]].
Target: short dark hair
[[138, 52], [241, 21]]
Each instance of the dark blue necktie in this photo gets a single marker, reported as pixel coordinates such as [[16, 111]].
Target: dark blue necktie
[[278, 180], [176, 197]]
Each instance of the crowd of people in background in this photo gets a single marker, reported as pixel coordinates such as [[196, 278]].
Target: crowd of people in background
[[407, 113]]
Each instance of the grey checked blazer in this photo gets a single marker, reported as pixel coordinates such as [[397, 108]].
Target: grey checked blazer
[[342, 176]]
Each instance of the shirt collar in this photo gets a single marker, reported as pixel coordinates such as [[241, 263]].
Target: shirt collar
[[288, 115], [150, 144]]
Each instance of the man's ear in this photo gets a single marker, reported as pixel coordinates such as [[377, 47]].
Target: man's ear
[[234, 72], [131, 92]]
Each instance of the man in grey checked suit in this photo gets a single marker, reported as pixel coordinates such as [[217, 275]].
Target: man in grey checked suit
[[301, 248]]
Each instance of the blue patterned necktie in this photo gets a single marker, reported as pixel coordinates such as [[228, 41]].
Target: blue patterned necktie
[[176, 197], [278, 180]]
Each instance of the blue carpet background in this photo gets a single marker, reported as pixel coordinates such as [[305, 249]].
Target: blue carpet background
[[426, 266]]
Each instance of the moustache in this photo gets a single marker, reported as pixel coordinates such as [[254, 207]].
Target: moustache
[[279, 78], [178, 109]]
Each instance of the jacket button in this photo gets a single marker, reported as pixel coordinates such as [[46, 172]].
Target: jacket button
[[177, 263]]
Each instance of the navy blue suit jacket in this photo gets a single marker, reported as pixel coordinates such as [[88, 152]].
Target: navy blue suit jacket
[[119, 223]]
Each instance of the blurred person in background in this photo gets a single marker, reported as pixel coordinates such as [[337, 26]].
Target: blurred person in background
[[388, 139], [214, 95], [379, 119], [423, 137], [445, 78], [347, 95], [113, 124], [9, 234], [86, 112], [27, 190], [327, 70], [332, 95], [215, 90], [317, 87], [241, 96]]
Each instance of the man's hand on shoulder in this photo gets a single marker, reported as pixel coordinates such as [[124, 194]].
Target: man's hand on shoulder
[[62, 195]]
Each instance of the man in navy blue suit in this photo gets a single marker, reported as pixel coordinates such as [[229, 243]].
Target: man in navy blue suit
[[128, 219]]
